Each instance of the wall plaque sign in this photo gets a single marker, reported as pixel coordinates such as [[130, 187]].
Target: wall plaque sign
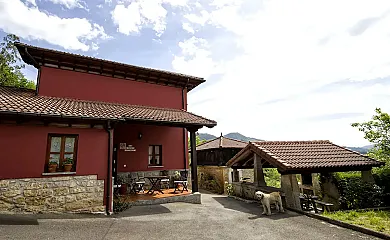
[[127, 148]]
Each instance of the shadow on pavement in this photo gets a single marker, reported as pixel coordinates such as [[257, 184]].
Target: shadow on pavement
[[143, 210], [17, 220], [32, 219], [252, 208]]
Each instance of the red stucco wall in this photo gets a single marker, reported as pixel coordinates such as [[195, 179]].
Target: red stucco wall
[[71, 84], [170, 138], [23, 150]]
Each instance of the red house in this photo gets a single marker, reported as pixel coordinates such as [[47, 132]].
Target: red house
[[103, 117]]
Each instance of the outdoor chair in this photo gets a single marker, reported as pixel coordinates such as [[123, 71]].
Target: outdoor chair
[[137, 184], [165, 183], [181, 181], [307, 202]]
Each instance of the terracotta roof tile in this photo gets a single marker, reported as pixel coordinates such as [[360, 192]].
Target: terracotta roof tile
[[25, 102], [222, 142], [307, 155]]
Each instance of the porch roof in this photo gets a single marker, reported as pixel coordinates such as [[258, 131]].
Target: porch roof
[[16, 101], [305, 156]]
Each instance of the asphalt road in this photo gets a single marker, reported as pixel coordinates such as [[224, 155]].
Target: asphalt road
[[218, 217]]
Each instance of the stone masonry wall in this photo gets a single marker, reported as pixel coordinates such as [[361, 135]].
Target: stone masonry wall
[[52, 194], [220, 175]]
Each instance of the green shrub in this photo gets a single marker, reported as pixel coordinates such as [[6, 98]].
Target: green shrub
[[272, 177], [357, 194], [120, 206], [229, 189], [382, 179]]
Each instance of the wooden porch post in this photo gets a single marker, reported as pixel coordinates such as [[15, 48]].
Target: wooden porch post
[[258, 171], [194, 162], [109, 180]]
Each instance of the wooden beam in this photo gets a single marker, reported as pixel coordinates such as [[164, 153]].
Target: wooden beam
[[246, 162], [194, 163]]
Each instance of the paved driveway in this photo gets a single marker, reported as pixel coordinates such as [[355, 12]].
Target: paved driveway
[[218, 217]]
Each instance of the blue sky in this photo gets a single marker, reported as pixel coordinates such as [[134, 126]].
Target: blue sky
[[275, 69]]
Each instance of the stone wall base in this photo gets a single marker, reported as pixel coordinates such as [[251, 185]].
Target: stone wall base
[[247, 190], [52, 194]]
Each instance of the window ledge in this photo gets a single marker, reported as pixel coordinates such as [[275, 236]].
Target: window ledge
[[58, 173], [151, 166]]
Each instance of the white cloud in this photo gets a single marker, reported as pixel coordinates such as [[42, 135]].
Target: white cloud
[[70, 3], [31, 23], [188, 28], [176, 3], [200, 19], [286, 49], [32, 2], [94, 46], [136, 15], [195, 58], [139, 14]]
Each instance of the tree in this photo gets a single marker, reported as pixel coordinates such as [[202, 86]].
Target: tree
[[198, 141], [10, 65], [377, 131]]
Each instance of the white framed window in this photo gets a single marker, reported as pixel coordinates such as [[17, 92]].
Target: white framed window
[[155, 155]]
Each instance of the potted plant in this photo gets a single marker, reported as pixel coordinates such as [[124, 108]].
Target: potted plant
[[52, 166], [177, 175], [68, 163]]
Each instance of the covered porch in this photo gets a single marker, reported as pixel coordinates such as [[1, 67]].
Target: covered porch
[[306, 158], [150, 160]]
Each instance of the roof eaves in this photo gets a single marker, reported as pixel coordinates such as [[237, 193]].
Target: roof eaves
[[21, 46], [233, 160], [275, 159]]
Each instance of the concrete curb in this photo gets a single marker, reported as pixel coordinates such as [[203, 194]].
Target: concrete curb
[[344, 224]]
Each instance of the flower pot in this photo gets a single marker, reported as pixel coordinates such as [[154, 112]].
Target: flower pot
[[52, 168], [123, 189], [67, 167]]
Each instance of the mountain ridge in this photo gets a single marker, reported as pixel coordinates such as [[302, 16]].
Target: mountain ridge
[[232, 135]]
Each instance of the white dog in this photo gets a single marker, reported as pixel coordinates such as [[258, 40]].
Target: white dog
[[268, 199]]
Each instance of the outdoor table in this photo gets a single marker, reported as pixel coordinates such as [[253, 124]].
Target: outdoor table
[[156, 183], [310, 200]]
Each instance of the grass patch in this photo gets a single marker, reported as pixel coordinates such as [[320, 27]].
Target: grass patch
[[375, 220]]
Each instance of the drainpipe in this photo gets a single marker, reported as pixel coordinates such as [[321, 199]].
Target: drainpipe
[[109, 130], [184, 130]]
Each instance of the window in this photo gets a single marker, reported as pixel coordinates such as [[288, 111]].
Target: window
[[61, 148], [155, 155]]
